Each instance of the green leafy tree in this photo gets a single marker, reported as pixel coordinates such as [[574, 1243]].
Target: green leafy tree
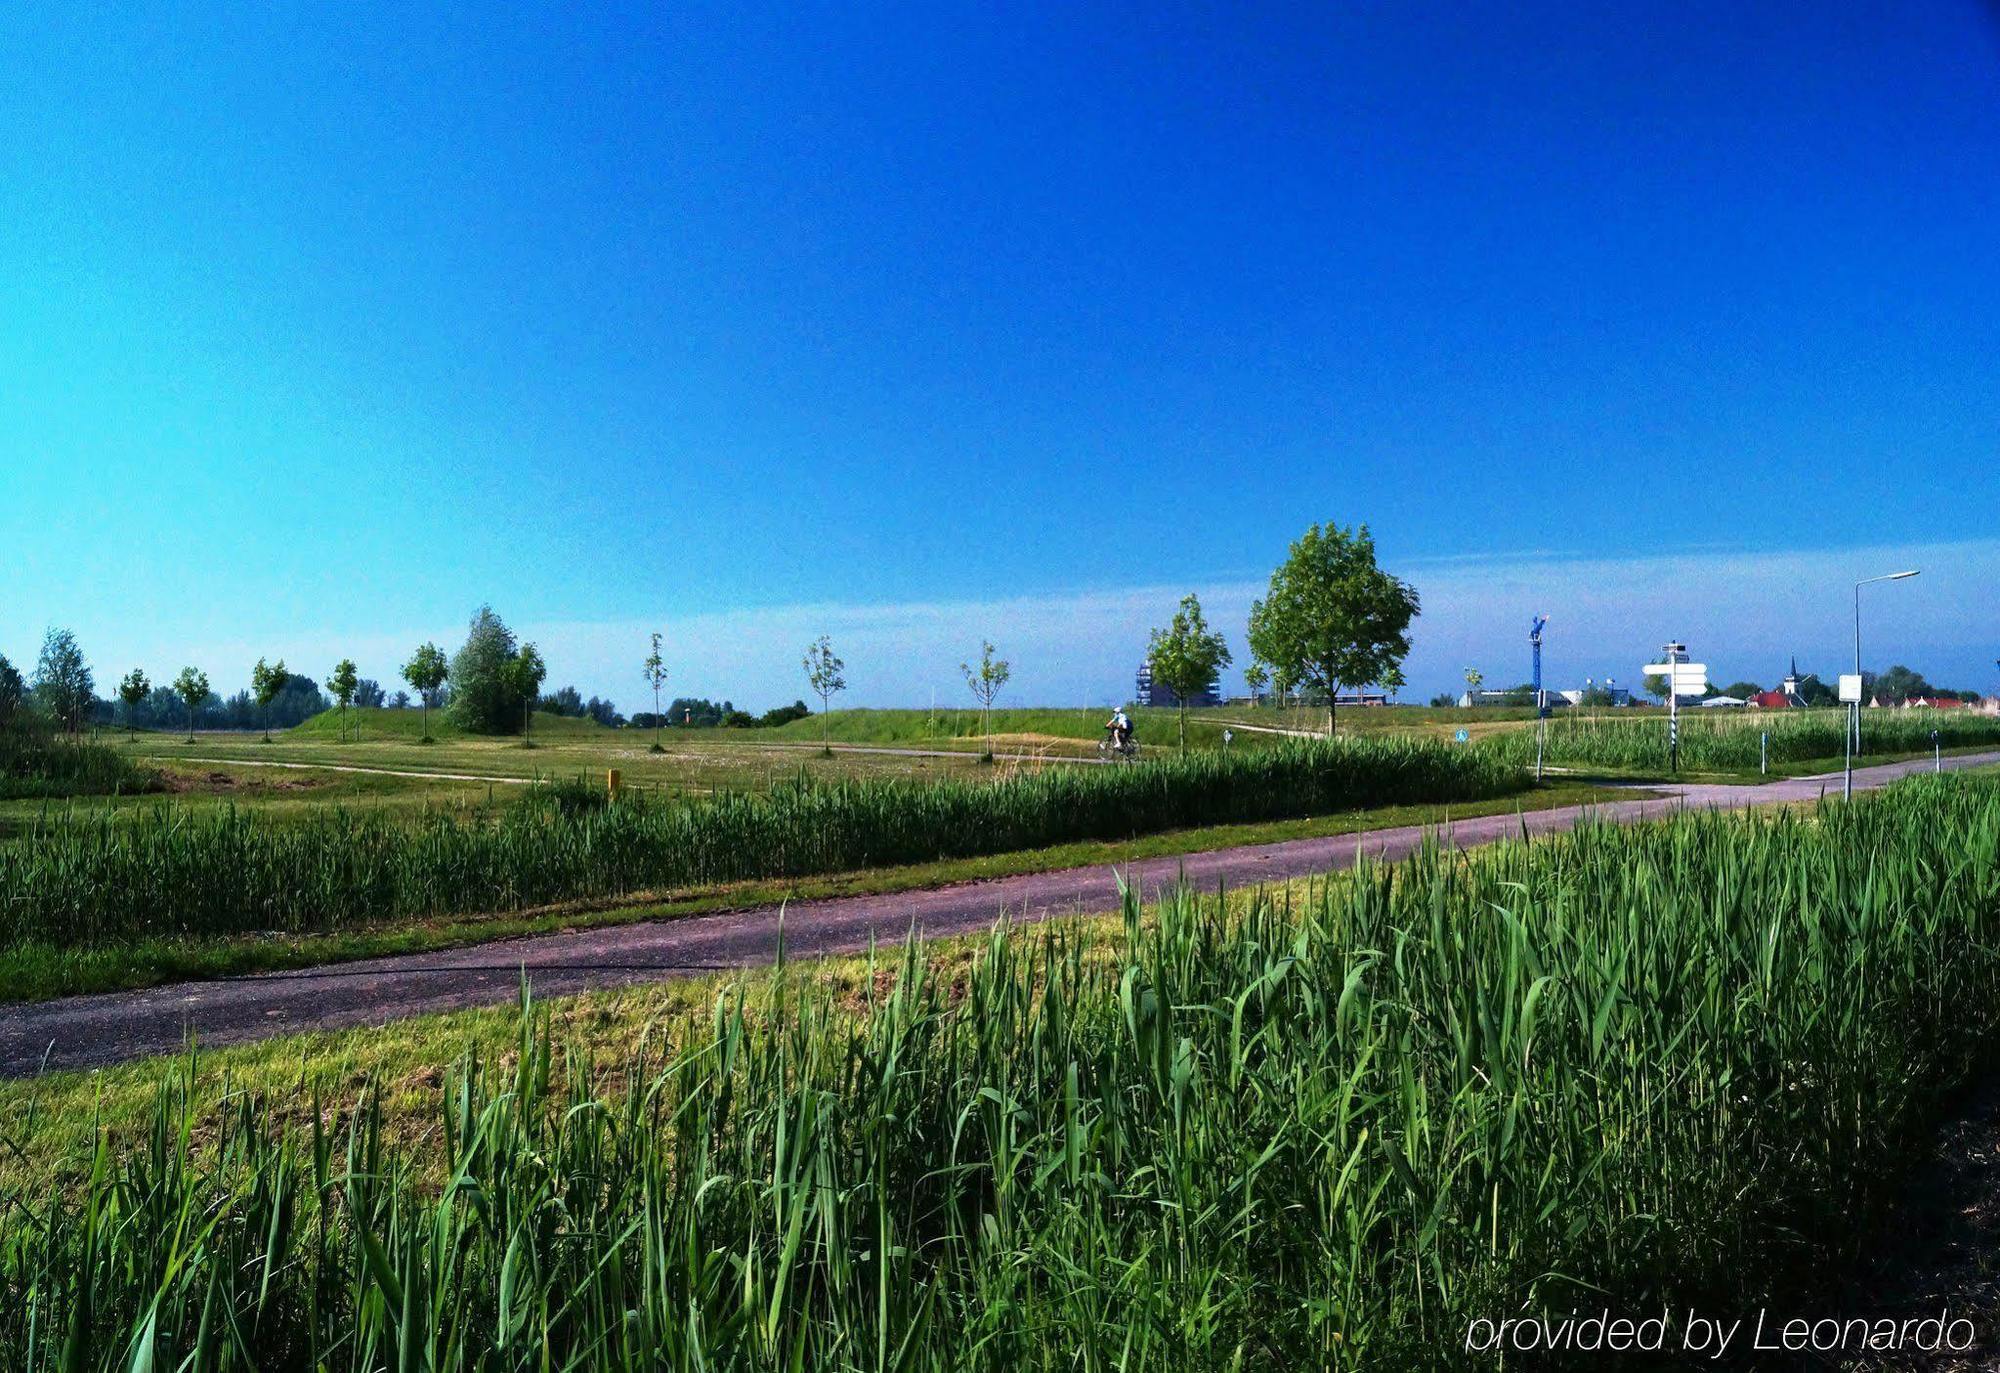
[[986, 679], [1256, 679], [266, 681], [63, 683], [485, 698], [1742, 690], [12, 691], [192, 687], [656, 677], [1333, 617], [426, 672], [1655, 685], [133, 689], [343, 684], [826, 674], [1473, 680], [1186, 657], [525, 675]]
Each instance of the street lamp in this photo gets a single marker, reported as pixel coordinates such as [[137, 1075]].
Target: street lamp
[[1854, 725]]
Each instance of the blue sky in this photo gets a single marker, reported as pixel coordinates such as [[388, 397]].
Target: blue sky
[[317, 330]]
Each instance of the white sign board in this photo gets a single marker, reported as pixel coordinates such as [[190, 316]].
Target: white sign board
[[1850, 687], [1689, 679]]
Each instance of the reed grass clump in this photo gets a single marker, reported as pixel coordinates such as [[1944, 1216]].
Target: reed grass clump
[[1730, 740], [1672, 1063], [175, 872]]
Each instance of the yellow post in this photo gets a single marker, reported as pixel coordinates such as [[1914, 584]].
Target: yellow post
[[611, 783]]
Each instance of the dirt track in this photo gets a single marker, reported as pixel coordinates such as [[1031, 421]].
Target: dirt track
[[88, 1031]]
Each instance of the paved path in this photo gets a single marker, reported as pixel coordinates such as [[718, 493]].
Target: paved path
[[87, 1031], [184, 760]]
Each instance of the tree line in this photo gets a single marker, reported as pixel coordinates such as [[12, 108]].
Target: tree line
[[1332, 618]]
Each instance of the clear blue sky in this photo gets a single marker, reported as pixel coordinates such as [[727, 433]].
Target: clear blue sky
[[318, 331]]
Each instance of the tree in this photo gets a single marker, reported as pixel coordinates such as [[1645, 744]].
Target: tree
[[484, 695], [133, 690], [1742, 690], [1655, 685], [986, 680], [1186, 657], [400, 701], [368, 694], [1333, 617], [63, 683], [1473, 678], [824, 673], [656, 677], [1256, 677], [12, 690], [343, 684], [192, 687], [525, 674], [426, 671], [267, 680], [1901, 683]]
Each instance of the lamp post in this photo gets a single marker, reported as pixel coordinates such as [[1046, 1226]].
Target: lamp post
[[1854, 717]]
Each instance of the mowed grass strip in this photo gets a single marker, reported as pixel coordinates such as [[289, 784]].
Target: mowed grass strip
[[176, 874], [1676, 1063]]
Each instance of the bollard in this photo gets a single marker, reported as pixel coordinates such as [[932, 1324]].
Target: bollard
[[1764, 754], [611, 780]]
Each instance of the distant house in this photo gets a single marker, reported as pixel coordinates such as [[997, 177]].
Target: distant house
[[1940, 702], [1147, 694], [1770, 700]]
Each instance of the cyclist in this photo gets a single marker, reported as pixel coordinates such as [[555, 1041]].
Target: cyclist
[[1120, 725]]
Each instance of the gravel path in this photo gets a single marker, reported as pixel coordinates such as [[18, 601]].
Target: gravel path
[[89, 1031]]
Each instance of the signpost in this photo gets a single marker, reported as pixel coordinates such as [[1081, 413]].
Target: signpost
[[1683, 679], [1850, 695], [1541, 698]]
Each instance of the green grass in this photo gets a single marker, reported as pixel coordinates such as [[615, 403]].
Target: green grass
[[37, 970], [38, 763], [1728, 742], [1677, 1064], [178, 874]]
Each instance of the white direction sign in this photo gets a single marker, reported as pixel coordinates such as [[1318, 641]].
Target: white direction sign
[[1688, 679]]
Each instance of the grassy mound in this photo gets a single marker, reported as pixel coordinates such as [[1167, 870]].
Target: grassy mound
[[381, 723]]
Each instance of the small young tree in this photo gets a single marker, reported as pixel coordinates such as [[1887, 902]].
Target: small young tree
[[63, 683], [525, 674], [656, 677], [986, 680], [133, 690], [266, 681], [12, 691], [426, 671], [824, 673], [1186, 657], [1256, 678], [343, 684], [192, 687], [1333, 617], [1473, 677]]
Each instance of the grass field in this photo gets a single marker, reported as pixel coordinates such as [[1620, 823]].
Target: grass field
[[1729, 741], [81, 884], [1310, 1129]]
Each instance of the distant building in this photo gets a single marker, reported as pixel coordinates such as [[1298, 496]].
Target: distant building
[[1770, 700], [1721, 701], [1147, 694]]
